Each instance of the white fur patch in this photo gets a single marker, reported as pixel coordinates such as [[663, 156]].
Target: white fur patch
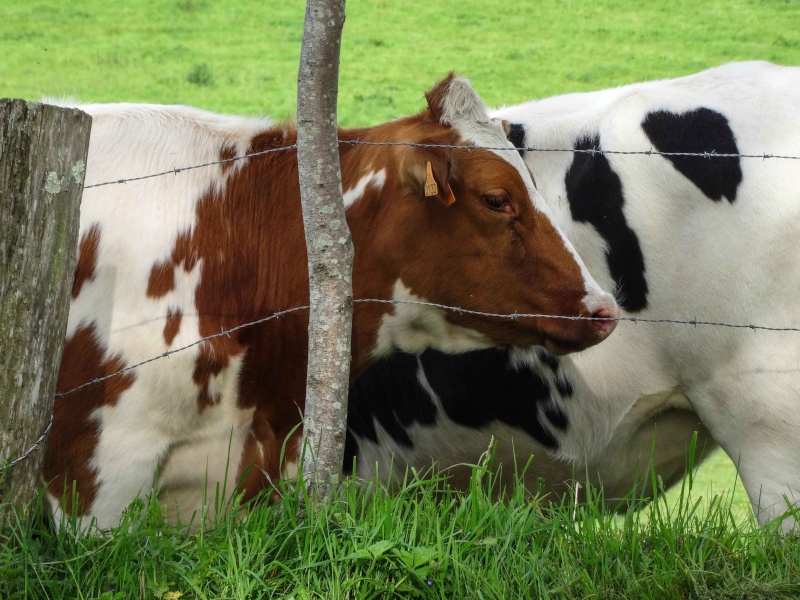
[[414, 327], [375, 178]]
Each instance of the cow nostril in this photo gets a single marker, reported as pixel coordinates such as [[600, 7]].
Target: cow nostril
[[605, 320], [606, 312]]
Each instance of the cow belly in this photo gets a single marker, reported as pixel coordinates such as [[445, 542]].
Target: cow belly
[[455, 449], [656, 432]]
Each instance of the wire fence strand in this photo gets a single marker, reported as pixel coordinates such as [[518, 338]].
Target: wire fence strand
[[177, 170], [395, 302], [34, 447], [456, 309], [591, 151]]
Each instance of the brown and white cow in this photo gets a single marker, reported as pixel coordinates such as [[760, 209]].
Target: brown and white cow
[[167, 260]]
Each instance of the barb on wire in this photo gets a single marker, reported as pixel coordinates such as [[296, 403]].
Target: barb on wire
[[34, 447], [225, 332], [592, 151]]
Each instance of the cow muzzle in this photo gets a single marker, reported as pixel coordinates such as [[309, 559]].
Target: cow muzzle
[[578, 334]]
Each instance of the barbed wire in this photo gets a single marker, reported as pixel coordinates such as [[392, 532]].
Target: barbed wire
[[591, 151], [457, 309], [225, 332], [177, 170], [513, 316]]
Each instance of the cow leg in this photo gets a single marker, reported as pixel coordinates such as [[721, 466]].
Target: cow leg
[[200, 474], [661, 440], [754, 417], [125, 462]]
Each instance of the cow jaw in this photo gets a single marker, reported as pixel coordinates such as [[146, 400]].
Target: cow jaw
[[415, 324]]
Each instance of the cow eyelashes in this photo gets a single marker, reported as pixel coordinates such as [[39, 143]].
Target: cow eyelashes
[[498, 202]]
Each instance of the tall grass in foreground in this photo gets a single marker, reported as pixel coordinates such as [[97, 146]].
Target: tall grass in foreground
[[423, 541]]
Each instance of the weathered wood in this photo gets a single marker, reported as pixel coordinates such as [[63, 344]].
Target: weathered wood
[[42, 164], [330, 247]]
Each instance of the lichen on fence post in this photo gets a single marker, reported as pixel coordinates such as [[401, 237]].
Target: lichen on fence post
[[42, 164]]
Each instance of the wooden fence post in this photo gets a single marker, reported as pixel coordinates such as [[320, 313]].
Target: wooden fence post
[[329, 245], [42, 163]]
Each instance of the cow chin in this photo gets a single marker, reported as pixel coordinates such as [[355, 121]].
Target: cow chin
[[560, 346]]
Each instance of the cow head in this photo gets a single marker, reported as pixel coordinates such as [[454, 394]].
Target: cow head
[[469, 230]]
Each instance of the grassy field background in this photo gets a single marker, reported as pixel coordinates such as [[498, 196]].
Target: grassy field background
[[237, 56]]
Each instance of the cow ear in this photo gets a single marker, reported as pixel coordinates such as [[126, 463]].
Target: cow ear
[[437, 96], [506, 127], [428, 175]]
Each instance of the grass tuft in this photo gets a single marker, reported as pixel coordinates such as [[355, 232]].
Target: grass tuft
[[200, 75]]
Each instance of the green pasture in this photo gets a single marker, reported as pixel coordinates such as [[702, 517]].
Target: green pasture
[[241, 57], [238, 56]]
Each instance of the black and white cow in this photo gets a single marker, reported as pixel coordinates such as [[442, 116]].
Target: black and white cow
[[687, 238]]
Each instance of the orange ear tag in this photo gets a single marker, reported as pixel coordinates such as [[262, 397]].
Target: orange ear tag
[[450, 197], [431, 189]]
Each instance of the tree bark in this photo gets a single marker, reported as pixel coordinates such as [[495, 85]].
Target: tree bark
[[42, 163], [329, 245]]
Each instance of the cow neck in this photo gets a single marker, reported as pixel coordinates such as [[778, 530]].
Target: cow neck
[[250, 238]]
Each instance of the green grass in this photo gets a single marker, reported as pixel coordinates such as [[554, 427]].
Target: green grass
[[237, 56], [424, 542]]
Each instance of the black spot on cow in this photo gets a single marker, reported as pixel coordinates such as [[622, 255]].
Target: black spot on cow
[[698, 131], [556, 416], [389, 393], [548, 359], [350, 451], [480, 387], [474, 389], [564, 386], [516, 135], [595, 196]]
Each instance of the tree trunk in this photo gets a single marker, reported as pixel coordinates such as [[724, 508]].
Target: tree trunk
[[329, 245], [42, 164]]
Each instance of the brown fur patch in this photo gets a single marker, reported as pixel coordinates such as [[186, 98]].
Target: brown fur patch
[[87, 259], [227, 153], [161, 281], [436, 96], [162, 276], [75, 433], [172, 326]]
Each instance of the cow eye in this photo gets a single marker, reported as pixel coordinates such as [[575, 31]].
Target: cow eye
[[497, 202]]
